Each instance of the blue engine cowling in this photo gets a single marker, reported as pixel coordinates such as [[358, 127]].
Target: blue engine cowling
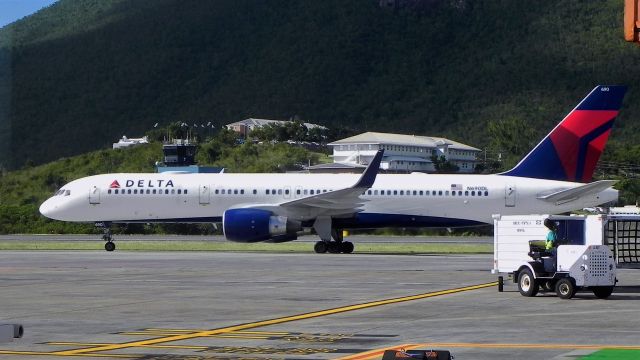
[[254, 225]]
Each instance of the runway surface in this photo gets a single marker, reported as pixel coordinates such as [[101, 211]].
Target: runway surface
[[219, 238], [205, 305]]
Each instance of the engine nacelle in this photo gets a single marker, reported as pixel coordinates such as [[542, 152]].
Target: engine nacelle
[[254, 225]]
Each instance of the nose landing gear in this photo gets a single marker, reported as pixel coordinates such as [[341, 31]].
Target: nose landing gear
[[106, 236]]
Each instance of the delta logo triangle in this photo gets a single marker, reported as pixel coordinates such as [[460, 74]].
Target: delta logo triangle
[[114, 185]]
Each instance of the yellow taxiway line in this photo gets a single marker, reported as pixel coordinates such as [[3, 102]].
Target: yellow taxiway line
[[219, 331]]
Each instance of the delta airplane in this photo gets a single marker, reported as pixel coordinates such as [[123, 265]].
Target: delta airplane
[[553, 178]]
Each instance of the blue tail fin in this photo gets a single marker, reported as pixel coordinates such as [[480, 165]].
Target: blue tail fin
[[571, 150]]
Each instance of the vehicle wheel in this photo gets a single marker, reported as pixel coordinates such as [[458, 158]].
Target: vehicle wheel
[[602, 292], [527, 285], [347, 247], [320, 247], [548, 286], [109, 246], [335, 247], [565, 288]]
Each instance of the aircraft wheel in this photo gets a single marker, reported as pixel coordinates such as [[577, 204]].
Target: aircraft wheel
[[109, 246], [565, 288], [527, 285], [347, 247], [335, 247], [320, 247]]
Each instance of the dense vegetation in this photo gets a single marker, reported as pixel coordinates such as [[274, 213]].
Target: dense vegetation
[[81, 73]]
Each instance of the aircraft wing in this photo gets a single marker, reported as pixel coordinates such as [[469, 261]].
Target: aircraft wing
[[567, 195], [340, 202]]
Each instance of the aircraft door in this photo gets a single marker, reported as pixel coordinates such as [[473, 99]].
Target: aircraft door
[[205, 194], [510, 196], [94, 195]]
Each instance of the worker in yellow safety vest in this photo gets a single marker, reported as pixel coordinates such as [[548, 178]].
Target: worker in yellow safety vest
[[552, 236]]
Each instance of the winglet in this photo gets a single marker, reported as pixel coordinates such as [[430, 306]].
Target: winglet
[[369, 175]]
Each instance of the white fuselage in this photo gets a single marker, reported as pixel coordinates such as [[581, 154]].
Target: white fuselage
[[426, 200]]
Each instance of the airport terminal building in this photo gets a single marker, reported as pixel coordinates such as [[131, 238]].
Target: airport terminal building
[[402, 153]]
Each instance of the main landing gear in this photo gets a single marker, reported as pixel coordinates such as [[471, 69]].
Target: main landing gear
[[323, 227], [107, 236]]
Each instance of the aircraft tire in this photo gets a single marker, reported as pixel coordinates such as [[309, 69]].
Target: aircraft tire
[[109, 246], [347, 247], [335, 247], [320, 247]]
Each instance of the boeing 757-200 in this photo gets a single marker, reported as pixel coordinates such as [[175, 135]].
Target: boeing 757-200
[[553, 178]]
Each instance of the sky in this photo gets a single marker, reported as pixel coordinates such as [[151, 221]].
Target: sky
[[12, 10]]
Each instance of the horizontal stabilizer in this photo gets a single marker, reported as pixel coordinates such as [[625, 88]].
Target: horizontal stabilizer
[[577, 192]]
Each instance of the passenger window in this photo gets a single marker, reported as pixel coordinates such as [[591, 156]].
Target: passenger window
[[273, 191], [279, 191], [466, 193], [166, 191], [401, 192], [286, 192], [440, 192], [255, 191], [108, 191], [375, 192], [446, 193], [422, 192], [115, 191], [486, 193], [235, 192], [179, 191], [148, 191], [173, 191], [433, 193], [415, 192], [311, 192], [267, 191], [216, 192], [395, 192], [298, 192], [185, 191], [129, 191], [453, 193], [222, 191], [473, 193], [154, 191], [460, 192], [241, 191], [305, 191]]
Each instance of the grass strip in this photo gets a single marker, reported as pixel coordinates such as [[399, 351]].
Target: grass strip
[[613, 354], [289, 247]]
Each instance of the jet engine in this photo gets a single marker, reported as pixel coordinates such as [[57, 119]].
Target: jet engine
[[254, 225]]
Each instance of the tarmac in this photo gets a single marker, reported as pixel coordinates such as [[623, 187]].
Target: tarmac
[[211, 305]]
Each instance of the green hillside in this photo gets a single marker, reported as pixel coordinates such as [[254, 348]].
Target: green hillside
[[81, 73]]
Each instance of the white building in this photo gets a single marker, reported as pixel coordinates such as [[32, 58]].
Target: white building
[[245, 126], [126, 142], [403, 153]]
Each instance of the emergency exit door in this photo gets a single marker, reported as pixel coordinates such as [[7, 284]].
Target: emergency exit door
[[94, 195], [205, 195], [510, 196]]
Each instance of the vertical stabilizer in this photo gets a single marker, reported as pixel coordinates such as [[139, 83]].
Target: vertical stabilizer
[[571, 150]]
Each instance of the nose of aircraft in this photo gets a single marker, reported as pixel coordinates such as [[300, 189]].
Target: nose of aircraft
[[52, 208], [46, 208]]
